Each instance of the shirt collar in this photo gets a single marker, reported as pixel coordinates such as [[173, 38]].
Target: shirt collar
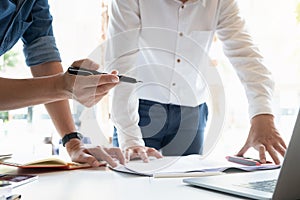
[[202, 1]]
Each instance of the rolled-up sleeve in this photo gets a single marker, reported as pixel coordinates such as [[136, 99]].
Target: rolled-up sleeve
[[38, 39], [41, 50]]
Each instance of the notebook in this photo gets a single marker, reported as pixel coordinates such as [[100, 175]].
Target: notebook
[[275, 184], [52, 162], [185, 166]]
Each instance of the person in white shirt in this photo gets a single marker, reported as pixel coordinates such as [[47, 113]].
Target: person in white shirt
[[165, 44]]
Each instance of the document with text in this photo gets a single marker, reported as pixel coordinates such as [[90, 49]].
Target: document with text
[[185, 166]]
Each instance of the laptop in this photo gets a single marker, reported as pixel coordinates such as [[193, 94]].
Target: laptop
[[271, 184]]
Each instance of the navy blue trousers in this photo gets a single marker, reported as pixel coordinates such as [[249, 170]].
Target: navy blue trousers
[[172, 129]]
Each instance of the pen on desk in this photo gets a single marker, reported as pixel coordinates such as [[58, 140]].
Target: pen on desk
[[87, 72], [184, 174], [14, 197]]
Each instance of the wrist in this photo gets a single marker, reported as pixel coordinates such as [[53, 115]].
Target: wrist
[[64, 86], [71, 138], [260, 117]]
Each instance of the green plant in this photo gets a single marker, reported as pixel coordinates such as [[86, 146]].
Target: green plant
[[9, 59], [4, 116]]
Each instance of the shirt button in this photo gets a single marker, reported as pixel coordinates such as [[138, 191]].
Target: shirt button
[[180, 34], [178, 60], [173, 84], [182, 7]]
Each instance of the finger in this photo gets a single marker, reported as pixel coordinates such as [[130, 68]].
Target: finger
[[104, 156], [134, 155], [104, 89], [153, 152], [262, 153], [96, 80], [86, 63], [274, 155], [243, 150], [282, 143], [107, 78], [280, 149], [101, 154], [87, 158], [77, 63], [143, 155], [116, 153], [128, 153], [121, 157]]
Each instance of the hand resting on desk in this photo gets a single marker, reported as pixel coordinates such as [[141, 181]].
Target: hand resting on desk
[[264, 137], [91, 155], [141, 152]]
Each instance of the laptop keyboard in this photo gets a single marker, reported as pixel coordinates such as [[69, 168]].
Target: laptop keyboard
[[265, 186]]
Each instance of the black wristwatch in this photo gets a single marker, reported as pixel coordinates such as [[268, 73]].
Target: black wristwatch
[[70, 136]]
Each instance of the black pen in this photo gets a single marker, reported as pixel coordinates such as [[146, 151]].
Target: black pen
[[14, 197], [87, 72]]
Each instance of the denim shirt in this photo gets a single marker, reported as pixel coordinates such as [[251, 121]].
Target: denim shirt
[[30, 21]]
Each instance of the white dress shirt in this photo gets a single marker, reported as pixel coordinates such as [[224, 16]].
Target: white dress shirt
[[166, 43]]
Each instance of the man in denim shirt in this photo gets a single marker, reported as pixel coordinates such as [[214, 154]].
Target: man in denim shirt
[[31, 21]]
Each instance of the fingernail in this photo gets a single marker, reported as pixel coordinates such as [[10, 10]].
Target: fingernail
[[115, 79]]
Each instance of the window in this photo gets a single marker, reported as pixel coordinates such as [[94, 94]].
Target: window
[[79, 28]]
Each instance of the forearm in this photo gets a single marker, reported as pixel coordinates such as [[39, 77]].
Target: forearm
[[18, 93], [61, 116]]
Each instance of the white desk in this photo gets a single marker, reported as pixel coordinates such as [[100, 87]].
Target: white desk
[[104, 184]]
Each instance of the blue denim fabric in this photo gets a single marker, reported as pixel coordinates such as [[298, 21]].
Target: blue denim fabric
[[175, 130], [30, 21]]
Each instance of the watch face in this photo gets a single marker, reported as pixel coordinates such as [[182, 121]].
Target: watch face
[[80, 136]]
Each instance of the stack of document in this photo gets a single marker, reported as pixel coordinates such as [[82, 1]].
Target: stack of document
[[9, 181], [186, 166]]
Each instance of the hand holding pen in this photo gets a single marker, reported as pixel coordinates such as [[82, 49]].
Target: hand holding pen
[[88, 90], [88, 72]]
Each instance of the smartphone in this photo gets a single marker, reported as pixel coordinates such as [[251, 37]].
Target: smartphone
[[245, 160]]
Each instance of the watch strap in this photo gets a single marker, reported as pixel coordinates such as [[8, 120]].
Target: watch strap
[[70, 136]]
